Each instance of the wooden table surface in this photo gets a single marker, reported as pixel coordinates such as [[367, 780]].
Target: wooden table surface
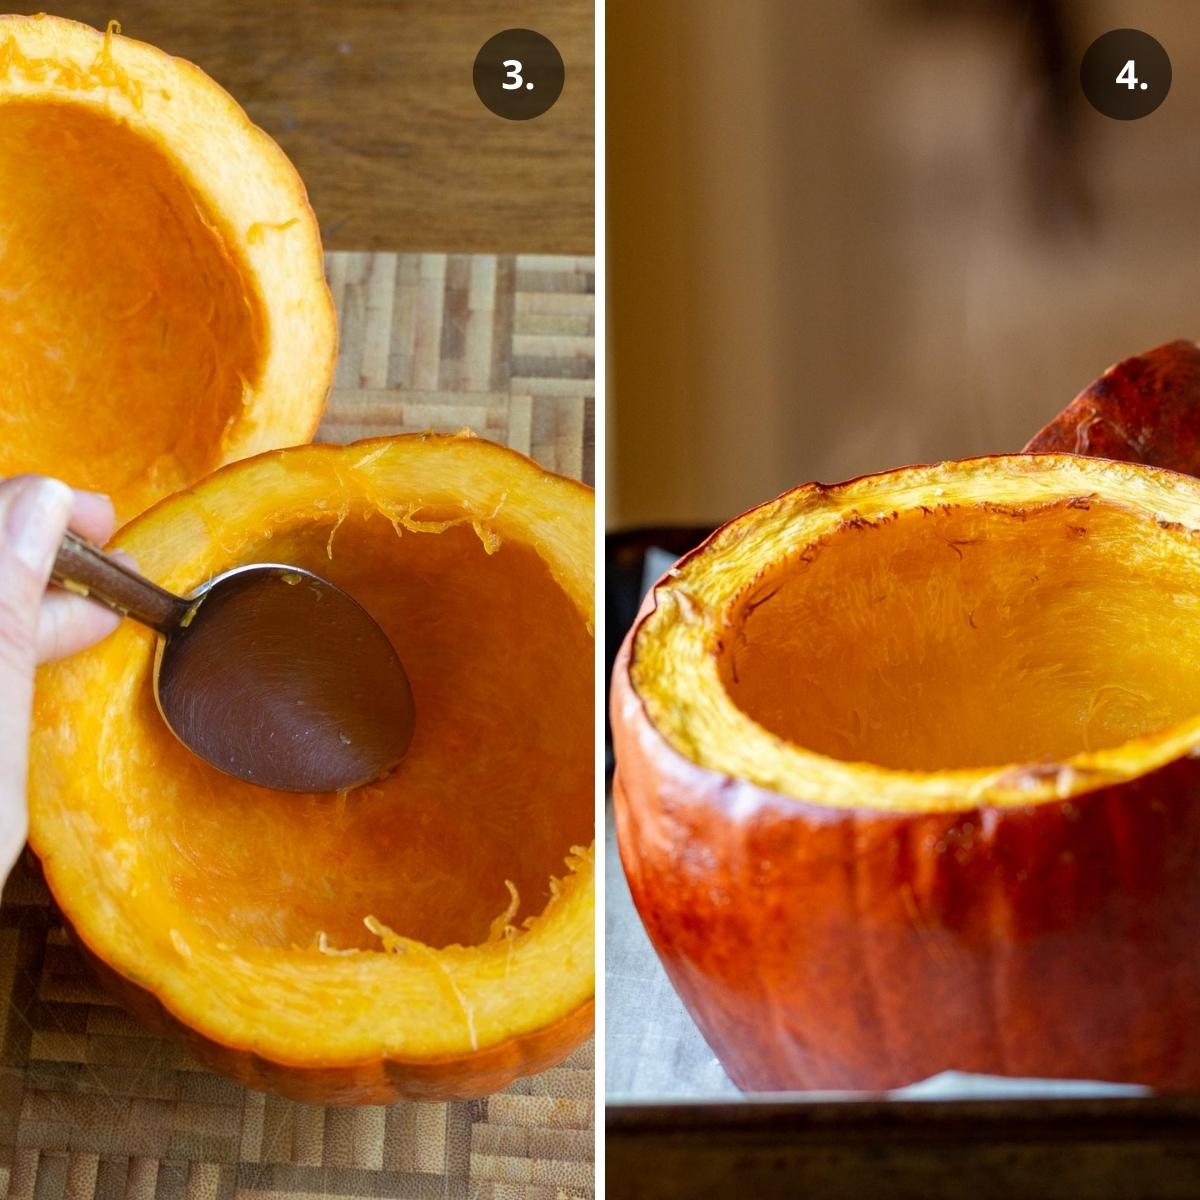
[[373, 102]]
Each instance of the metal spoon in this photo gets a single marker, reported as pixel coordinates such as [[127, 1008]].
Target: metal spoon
[[267, 671]]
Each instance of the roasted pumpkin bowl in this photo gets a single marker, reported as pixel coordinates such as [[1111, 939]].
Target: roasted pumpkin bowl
[[163, 308], [430, 935], [907, 777]]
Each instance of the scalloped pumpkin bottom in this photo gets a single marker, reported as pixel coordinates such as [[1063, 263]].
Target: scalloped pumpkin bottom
[[121, 299], [963, 636], [495, 790]]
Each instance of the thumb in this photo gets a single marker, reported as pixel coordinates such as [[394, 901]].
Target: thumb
[[33, 515], [34, 512]]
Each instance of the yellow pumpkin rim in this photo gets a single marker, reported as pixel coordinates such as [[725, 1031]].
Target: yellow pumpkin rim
[[673, 661]]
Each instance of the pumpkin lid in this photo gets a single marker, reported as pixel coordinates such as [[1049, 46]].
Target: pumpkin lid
[[1002, 630], [164, 308]]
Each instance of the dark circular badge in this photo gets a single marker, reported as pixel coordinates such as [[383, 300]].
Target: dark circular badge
[[1125, 74], [518, 74]]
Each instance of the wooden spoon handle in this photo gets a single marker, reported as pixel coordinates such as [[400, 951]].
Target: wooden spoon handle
[[86, 570]]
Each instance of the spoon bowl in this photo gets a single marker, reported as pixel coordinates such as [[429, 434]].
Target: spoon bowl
[[267, 671]]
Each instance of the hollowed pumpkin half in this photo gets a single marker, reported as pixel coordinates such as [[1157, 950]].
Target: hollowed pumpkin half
[[163, 308], [907, 777], [430, 935]]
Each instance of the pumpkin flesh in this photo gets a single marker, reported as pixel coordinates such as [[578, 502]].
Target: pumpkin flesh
[[499, 656], [134, 297], [934, 639], [442, 913]]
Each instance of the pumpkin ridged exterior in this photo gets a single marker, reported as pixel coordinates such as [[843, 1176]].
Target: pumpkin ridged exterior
[[833, 923], [164, 308], [352, 949]]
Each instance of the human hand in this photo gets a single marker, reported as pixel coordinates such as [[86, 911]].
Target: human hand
[[37, 624]]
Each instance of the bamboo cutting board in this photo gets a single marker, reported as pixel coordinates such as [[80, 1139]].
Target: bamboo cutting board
[[94, 1108], [501, 344]]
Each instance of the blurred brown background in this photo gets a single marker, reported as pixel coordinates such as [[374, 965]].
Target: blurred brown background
[[373, 102], [845, 235]]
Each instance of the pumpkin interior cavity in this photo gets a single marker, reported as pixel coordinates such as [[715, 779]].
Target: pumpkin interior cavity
[[972, 635], [496, 788], [124, 314]]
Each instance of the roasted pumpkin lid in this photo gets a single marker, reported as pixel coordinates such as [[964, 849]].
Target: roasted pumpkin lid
[[163, 307]]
